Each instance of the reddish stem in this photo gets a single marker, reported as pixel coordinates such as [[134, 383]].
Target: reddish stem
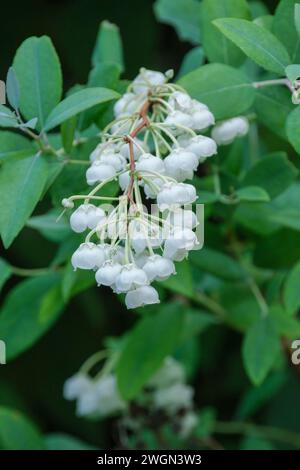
[[144, 122]]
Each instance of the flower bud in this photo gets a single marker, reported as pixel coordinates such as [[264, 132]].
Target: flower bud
[[67, 203], [141, 296]]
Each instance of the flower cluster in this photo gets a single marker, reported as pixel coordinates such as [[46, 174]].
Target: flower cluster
[[166, 393], [152, 147]]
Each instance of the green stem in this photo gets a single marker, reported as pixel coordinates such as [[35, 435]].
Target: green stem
[[269, 432], [29, 272]]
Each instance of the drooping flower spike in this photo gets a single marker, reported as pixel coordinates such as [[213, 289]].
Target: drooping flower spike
[[151, 148]]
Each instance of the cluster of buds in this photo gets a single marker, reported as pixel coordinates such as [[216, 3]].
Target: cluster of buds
[[166, 394], [151, 148]]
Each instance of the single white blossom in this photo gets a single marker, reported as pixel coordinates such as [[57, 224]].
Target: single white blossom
[[158, 268], [145, 295], [88, 256], [225, 132]]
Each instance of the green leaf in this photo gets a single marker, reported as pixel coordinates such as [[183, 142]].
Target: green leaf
[[297, 18], [217, 263], [13, 146], [17, 432], [78, 102], [225, 90], [62, 441], [12, 88], [256, 42], [68, 129], [7, 117], [143, 352], [292, 72], [286, 325], [253, 193], [39, 74], [5, 272], [217, 48], [108, 47], [272, 106], [191, 61], [48, 225], [195, 322], [291, 290], [22, 183], [183, 15], [260, 348], [29, 311], [181, 282], [265, 21], [292, 128], [274, 173], [284, 28]]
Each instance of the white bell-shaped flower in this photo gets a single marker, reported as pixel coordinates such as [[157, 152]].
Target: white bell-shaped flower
[[169, 373], [178, 118], [182, 218], [107, 273], [86, 216], [76, 385], [225, 132], [145, 295], [202, 146], [99, 172], [179, 243], [202, 119], [127, 104], [148, 162], [174, 398], [88, 256], [180, 101], [124, 180], [137, 152], [130, 278], [147, 79], [101, 149], [88, 403], [158, 268], [141, 259], [108, 395], [188, 422], [181, 164], [153, 186], [114, 159], [172, 194]]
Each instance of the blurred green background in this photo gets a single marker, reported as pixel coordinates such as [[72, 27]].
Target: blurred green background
[[33, 382]]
